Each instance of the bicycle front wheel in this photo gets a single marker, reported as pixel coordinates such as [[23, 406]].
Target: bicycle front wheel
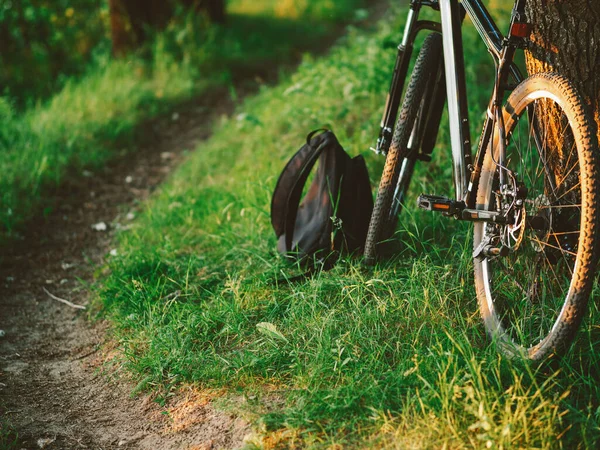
[[533, 299], [402, 155]]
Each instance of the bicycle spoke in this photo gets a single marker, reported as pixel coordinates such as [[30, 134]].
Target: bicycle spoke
[[578, 205], [552, 246], [570, 190], [563, 233]]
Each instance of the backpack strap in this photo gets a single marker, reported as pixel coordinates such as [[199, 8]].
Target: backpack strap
[[288, 191]]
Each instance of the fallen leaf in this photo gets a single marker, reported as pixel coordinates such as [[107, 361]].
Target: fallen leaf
[[269, 329]]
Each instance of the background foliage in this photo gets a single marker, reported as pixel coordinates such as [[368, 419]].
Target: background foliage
[[83, 119], [44, 42]]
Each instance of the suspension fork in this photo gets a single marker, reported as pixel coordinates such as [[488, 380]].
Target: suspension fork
[[405, 49], [392, 102]]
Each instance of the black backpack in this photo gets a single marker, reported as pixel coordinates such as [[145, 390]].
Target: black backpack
[[335, 212]]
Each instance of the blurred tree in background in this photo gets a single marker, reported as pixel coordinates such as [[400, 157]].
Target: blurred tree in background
[[45, 42]]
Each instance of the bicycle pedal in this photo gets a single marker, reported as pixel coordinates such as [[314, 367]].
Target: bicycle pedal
[[440, 203]]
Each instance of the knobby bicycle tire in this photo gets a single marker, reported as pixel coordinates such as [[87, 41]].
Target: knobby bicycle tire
[[420, 87], [533, 299]]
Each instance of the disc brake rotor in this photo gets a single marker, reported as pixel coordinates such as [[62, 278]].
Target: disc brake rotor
[[514, 232]]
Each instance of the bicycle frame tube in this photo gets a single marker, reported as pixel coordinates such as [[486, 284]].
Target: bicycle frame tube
[[485, 26], [456, 91], [455, 81], [495, 42]]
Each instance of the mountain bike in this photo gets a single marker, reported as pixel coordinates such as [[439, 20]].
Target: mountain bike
[[531, 188]]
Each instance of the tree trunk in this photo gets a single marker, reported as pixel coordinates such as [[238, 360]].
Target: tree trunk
[[130, 19], [147, 14], [216, 10], [121, 41], [566, 39]]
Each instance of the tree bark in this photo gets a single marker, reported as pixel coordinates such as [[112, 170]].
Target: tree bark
[[566, 39]]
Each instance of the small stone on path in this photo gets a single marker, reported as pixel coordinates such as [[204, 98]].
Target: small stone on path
[[100, 226]]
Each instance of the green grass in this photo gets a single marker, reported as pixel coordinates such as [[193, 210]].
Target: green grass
[[8, 436], [390, 357], [94, 118]]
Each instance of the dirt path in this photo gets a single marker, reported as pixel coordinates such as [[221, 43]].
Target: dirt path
[[54, 389], [52, 384]]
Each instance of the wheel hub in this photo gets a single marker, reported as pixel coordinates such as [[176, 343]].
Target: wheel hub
[[541, 221]]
